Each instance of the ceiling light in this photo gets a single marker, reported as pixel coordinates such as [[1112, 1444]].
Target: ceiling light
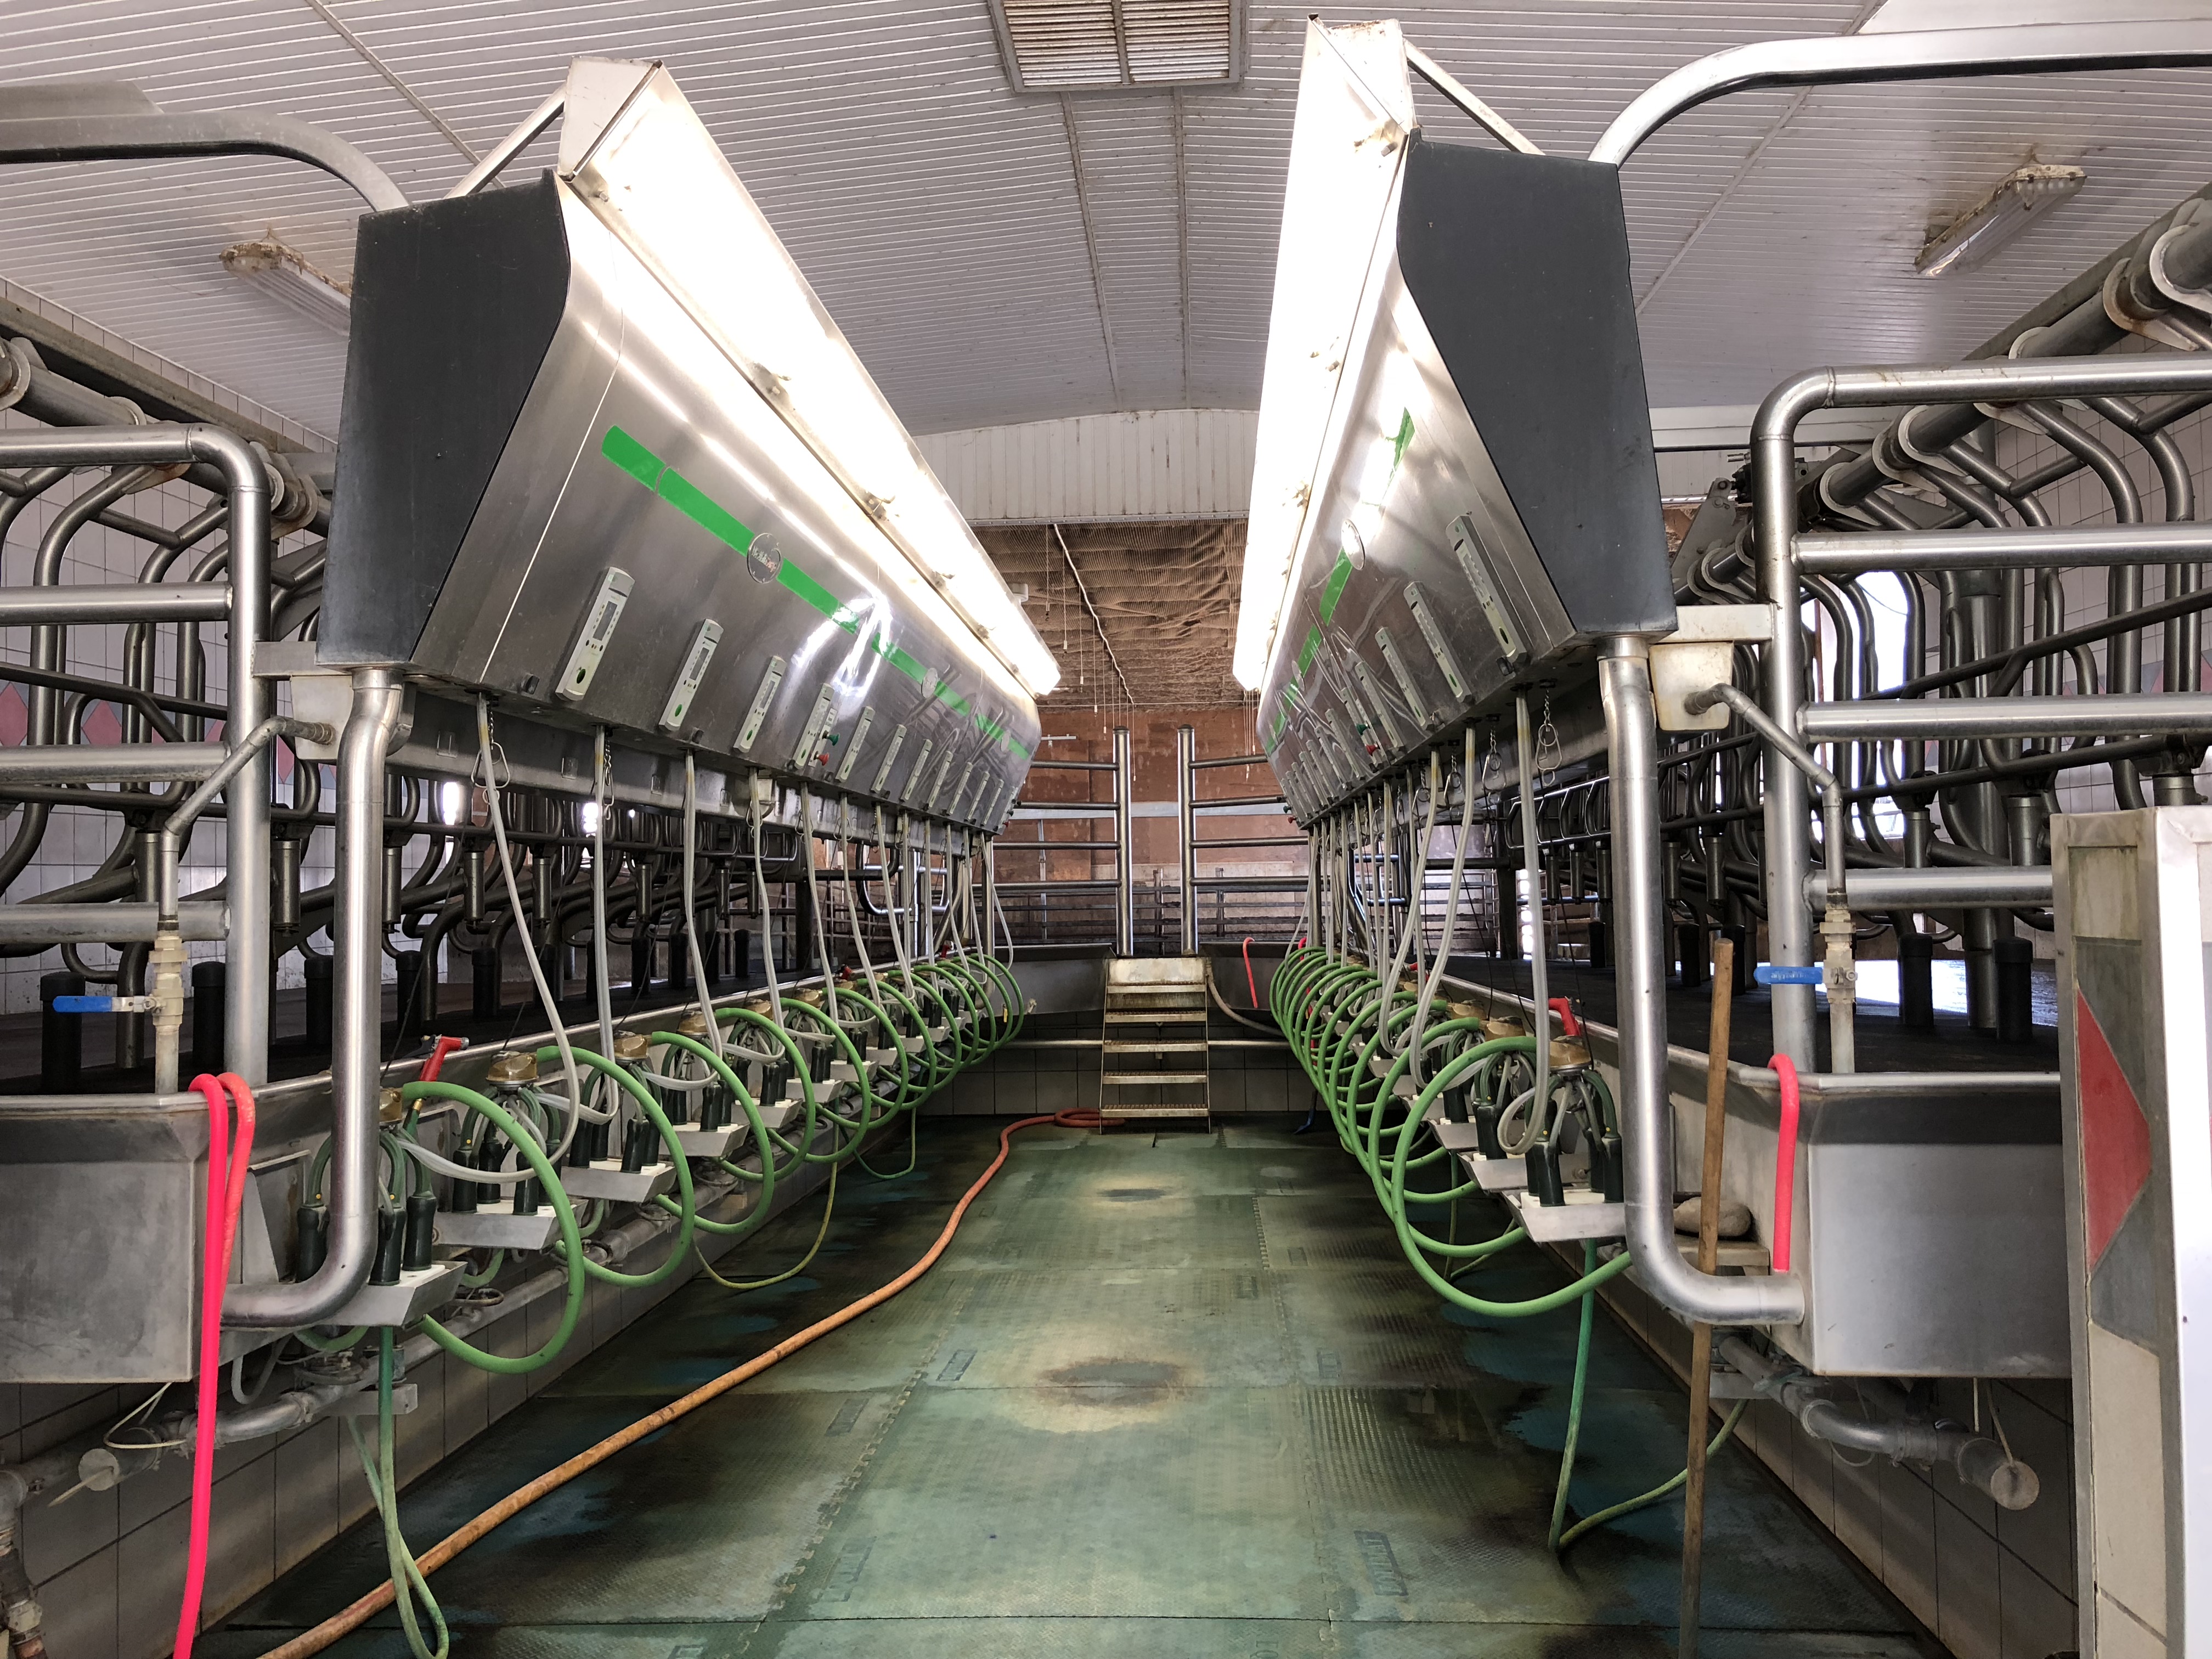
[[656, 179], [2026, 196], [284, 274], [1105, 46], [1347, 138]]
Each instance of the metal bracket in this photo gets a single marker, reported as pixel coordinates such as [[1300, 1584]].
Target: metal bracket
[[404, 1397]]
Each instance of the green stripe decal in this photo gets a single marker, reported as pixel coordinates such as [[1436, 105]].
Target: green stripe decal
[[718, 521], [695, 504], [1306, 656], [793, 579], [1340, 574], [631, 456]]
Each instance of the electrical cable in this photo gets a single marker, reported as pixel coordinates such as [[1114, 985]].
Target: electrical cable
[[577, 1109], [365, 1608], [829, 1205], [691, 903], [603, 798], [383, 1489]]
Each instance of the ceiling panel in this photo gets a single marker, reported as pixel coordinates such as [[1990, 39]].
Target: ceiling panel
[[937, 211]]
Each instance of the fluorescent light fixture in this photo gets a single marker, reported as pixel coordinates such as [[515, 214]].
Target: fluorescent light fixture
[[286, 277], [655, 177], [1347, 139], [2026, 194]]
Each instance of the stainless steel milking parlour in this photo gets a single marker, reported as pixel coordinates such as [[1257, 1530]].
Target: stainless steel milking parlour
[[617, 517], [1456, 515]]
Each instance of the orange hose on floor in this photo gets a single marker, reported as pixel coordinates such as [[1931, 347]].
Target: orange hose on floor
[[522, 1497]]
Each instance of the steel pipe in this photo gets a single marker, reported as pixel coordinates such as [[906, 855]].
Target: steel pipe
[[2003, 550], [123, 762], [1981, 1464], [125, 135], [1889, 1085], [131, 922], [2000, 886], [1918, 54], [1187, 833], [2140, 714], [358, 929], [116, 602], [1125, 869], [1647, 1115]]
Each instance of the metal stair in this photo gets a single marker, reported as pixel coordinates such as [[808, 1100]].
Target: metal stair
[[1153, 1062]]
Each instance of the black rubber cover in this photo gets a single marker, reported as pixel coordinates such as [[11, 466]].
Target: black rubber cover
[[1520, 267], [454, 306]]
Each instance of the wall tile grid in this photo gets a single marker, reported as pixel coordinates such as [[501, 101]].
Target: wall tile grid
[[109, 1565], [1991, 1584]]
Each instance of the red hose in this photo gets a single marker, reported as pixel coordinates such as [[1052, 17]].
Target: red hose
[[1785, 1165], [522, 1498], [1568, 1025], [228, 1168], [1250, 984]]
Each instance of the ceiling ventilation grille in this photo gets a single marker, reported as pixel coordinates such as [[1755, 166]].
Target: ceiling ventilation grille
[[1120, 45]]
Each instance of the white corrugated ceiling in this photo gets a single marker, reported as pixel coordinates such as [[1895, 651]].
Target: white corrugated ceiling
[[939, 215]]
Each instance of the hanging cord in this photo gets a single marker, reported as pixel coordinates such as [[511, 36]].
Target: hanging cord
[[852, 918], [768, 922], [892, 906], [603, 796], [1451, 904], [574, 1104], [822, 935], [383, 1489], [692, 904], [797, 1268]]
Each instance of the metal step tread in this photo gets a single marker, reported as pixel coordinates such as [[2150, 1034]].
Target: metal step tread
[[1156, 1016], [1120, 1114], [1142, 1080], [1160, 1046]]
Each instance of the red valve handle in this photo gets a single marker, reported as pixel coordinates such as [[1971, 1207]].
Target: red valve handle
[[443, 1047]]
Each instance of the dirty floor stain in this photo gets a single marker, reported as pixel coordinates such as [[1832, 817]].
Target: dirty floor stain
[[1164, 1396]]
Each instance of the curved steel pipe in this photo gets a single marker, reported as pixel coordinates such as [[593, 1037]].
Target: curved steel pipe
[[358, 929], [1647, 1115], [155, 132], [1918, 54]]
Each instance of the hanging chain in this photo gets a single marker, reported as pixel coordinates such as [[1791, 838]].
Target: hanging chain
[[1549, 756]]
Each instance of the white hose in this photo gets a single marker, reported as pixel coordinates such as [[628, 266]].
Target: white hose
[[814, 904], [766, 921], [603, 796], [1451, 904], [576, 1109], [691, 903]]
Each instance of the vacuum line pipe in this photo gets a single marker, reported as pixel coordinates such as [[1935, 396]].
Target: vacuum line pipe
[[1646, 1115], [1982, 1463], [1915, 55], [358, 927]]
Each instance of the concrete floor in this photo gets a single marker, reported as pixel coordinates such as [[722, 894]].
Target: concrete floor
[[1171, 1397]]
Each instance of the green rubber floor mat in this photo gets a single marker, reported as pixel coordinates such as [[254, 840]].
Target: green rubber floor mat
[[1165, 1395]]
